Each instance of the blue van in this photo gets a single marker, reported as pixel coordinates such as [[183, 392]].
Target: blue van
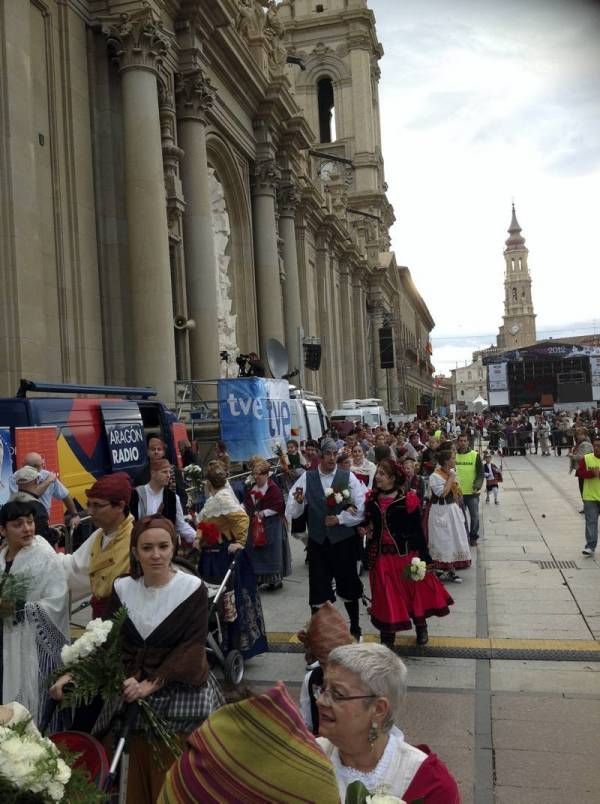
[[105, 431]]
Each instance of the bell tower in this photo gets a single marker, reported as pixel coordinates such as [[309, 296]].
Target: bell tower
[[518, 329], [338, 89]]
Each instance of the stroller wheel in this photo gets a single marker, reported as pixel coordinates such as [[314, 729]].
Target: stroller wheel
[[233, 668]]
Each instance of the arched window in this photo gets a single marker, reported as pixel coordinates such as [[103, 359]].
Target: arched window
[[514, 294], [326, 110]]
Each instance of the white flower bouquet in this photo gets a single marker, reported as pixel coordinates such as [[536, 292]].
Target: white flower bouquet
[[335, 497], [95, 664], [33, 769], [193, 475], [357, 793], [416, 570], [95, 634]]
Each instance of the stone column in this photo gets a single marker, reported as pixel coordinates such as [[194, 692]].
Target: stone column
[[268, 281], [349, 337], [360, 336], [288, 199], [195, 95], [140, 43]]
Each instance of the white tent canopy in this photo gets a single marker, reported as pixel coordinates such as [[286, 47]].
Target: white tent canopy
[[479, 400]]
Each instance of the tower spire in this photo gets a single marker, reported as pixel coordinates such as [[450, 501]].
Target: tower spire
[[515, 239]]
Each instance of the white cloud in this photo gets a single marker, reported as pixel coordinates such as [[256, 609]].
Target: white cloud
[[483, 103]]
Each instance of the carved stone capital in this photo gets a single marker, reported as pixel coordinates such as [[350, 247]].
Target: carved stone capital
[[195, 95], [288, 197], [266, 176], [137, 40]]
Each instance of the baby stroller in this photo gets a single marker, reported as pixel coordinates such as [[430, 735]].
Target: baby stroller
[[221, 611]]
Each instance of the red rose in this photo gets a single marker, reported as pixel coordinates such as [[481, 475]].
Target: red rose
[[412, 501], [331, 501], [209, 534]]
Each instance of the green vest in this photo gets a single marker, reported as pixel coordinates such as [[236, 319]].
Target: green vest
[[465, 470], [591, 486], [438, 434]]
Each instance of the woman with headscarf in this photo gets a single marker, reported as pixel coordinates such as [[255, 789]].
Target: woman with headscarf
[[264, 504], [360, 705], [448, 538], [163, 652], [327, 629], [393, 515], [254, 751], [222, 532], [35, 609]]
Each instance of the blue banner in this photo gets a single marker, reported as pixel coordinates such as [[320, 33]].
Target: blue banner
[[255, 416], [5, 463]]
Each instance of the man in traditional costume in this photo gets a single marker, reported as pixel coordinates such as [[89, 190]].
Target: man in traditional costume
[[104, 556], [333, 546], [158, 496]]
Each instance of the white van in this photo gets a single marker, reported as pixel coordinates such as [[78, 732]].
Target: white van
[[366, 411], [309, 417]]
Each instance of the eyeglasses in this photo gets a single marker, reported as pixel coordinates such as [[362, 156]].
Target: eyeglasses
[[91, 506], [325, 693]]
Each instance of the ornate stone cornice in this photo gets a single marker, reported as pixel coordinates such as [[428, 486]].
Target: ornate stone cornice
[[137, 40], [266, 176], [195, 95]]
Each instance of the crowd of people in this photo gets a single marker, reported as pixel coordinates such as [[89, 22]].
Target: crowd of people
[[401, 502]]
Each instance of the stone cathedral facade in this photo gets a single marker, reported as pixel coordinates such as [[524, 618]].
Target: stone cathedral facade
[[183, 178]]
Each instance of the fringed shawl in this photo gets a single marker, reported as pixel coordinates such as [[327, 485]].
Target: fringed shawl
[[254, 751]]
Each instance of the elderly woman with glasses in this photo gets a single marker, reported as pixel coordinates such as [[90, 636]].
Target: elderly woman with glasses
[[265, 506], [359, 705]]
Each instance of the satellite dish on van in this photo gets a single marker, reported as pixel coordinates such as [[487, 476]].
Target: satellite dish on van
[[277, 358]]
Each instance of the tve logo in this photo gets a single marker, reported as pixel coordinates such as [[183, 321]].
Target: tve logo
[[255, 415]]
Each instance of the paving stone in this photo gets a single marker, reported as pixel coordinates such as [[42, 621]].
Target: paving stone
[[547, 770], [570, 738], [553, 709], [518, 795], [542, 676]]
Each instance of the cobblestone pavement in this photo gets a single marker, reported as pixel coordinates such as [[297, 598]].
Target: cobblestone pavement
[[508, 689]]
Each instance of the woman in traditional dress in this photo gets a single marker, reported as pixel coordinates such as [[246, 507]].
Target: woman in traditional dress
[[164, 656], [448, 539], [396, 538], [359, 708], [34, 606], [222, 531], [361, 467], [264, 501]]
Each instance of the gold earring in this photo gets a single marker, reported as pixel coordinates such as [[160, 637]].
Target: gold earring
[[373, 733]]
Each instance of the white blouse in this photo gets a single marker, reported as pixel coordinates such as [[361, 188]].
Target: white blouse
[[148, 606], [393, 773]]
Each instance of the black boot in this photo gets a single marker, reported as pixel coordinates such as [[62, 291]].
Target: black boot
[[387, 638], [352, 609], [422, 635]]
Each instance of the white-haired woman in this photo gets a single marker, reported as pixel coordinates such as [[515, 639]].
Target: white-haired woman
[[359, 705]]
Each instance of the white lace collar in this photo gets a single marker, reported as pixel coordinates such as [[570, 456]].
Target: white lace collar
[[223, 502]]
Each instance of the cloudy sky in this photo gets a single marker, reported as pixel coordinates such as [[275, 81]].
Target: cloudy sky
[[485, 102]]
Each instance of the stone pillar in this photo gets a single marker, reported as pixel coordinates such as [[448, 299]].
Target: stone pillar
[[288, 199], [139, 43], [360, 336], [348, 337], [195, 95], [268, 281]]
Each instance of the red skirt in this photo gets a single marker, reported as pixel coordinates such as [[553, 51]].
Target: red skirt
[[397, 600]]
